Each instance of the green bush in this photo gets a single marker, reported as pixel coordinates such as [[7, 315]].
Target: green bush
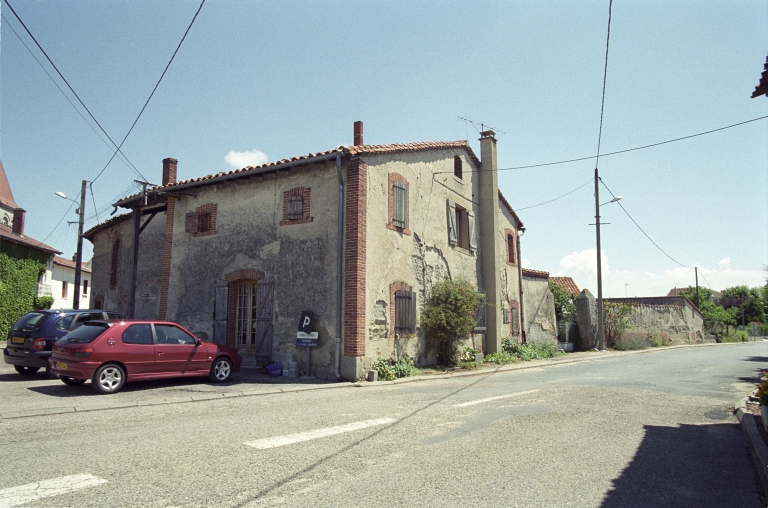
[[532, 351], [742, 336], [501, 358], [390, 370], [449, 317], [43, 302]]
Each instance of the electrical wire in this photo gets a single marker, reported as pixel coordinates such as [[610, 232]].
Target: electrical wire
[[559, 197], [68, 85], [123, 158], [605, 78], [621, 151], [641, 229], [93, 199], [57, 224], [153, 90]]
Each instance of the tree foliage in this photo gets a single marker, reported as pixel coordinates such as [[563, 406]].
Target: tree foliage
[[20, 268], [449, 317], [565, 303]]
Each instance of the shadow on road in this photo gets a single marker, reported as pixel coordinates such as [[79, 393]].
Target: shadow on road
[[761, 359], [690, 465]]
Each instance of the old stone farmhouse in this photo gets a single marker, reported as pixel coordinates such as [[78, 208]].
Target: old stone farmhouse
[[357, 234]]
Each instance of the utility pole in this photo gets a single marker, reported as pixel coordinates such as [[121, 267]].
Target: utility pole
[[79, 255], [696, 271], [600, 331]]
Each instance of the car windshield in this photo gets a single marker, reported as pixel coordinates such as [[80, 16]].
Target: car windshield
[[30, 322], [86, 333]]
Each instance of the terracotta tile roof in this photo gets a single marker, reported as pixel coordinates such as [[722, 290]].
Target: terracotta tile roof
[[7, 234], [527, 272], [566, 283], [88, 235], [509, 207], [762, 86], [58, 260], [413, 147], [349, 150]]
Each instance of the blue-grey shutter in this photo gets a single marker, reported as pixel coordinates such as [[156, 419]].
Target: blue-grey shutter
[[452, 231], [471, 228], [405, 311], [400, 191], [295, 207], [515, 321], [191, 223], [480, 317]]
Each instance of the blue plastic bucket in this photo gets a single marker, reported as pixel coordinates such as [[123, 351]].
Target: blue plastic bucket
[[275, 370]]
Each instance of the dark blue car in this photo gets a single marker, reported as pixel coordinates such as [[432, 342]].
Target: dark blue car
[[31, 338]]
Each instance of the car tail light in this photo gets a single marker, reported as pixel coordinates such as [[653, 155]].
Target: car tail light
[[38, 344], [84, 353]]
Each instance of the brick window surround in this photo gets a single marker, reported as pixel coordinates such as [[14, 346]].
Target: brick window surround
[[391, 179], [302, 192], [114, 261], [202, 222], [393, 289], [511, 237], [355, 225], [233, 279]]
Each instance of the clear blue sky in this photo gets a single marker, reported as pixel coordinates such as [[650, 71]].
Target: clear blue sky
[[290, 78]]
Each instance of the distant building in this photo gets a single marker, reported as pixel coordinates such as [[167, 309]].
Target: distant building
[[567, 283], [61, 281]]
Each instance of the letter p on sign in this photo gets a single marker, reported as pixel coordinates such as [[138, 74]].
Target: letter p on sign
[[307, 321]]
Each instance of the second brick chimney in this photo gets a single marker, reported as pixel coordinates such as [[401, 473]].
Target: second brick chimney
[[169, 171], [18, 221], [358, 133]]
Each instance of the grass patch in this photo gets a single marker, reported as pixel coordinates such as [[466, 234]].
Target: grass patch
[[390, 370]]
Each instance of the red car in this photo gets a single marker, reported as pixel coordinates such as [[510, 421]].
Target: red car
[[109, 353]]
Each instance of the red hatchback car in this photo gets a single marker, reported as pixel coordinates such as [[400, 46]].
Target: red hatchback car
[[109, 353]]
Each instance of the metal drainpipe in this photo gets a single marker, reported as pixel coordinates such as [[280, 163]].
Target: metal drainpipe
[[521, 231], [339, 268]]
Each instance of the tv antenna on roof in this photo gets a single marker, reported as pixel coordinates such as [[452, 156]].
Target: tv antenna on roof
[[483, 127]]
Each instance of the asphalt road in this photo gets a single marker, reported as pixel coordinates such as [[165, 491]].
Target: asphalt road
[[650, 429]]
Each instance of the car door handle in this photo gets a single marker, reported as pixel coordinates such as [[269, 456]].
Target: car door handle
[[159, 353]]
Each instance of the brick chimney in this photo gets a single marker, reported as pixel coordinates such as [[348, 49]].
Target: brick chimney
[[18, 221], [358, 133], [489, 226], [169, 171]]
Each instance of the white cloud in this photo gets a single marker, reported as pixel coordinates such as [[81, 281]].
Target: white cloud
[[581, 266], [526, 263], [248, 158]]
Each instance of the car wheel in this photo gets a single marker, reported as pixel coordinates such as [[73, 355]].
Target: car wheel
[[221, 370], [26, 371], [70, 381], [109, 378], [50, 372]]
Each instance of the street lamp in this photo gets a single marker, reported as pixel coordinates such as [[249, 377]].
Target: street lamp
[[79, 255]]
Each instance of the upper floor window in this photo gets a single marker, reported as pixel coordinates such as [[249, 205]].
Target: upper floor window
[[461, 227], [114, 261], [511, 247], [296, 206], [398, 208], [457, 166], [202, 222], [85, 287]]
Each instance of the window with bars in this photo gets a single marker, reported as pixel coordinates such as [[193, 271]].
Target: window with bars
[[295, 207], [457, 166], [405, 311], [400, 205], [114, 261]]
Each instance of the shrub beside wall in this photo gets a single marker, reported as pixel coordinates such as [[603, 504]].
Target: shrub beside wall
[[20, 268]]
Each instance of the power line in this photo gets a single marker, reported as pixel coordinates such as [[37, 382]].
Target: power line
[[622, 151], [153, 91], [605, 77], [641, 229], [62, 218], [559, 197], [68, 85]]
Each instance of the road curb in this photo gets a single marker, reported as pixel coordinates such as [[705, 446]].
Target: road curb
[[202, 397], [755, 443]]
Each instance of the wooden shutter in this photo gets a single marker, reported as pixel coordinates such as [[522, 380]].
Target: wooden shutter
[[400, 195], [192, 222], [471, 228], [295, 207], [515, 321], [453, 238], [220, 313], [264, 301], [405, 311], [480, 320]]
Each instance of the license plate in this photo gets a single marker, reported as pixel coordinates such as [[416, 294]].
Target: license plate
[[61, 365], [17, 340]]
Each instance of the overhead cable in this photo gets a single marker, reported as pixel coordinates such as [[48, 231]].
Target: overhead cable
[[559, 197]]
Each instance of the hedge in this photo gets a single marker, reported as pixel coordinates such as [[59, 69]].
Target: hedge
[[20, 268]]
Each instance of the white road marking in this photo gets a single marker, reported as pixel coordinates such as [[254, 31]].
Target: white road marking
[[274, 442], [480, 401], [16, 496]]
